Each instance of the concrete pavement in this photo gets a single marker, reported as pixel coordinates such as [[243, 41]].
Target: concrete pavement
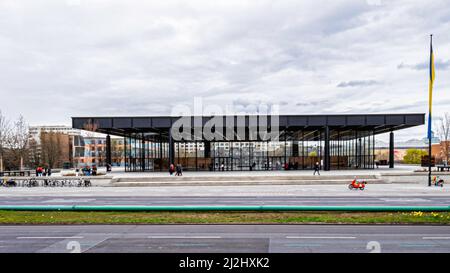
[[225, 238], [401, 190], [400, 174], [227, 201]]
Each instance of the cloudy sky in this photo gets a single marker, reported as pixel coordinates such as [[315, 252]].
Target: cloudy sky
[[78, 58]]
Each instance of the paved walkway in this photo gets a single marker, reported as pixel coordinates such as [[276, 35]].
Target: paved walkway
[[126, 200], [401, 190], [404, 174]]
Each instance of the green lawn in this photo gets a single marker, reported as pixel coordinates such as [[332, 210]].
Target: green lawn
[[68, 217]]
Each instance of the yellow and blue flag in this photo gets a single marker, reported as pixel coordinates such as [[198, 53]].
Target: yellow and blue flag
[[430, 87]]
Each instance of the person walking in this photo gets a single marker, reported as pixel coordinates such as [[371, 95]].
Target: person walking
[[87, 170], [179, 170], [316, 168], [49, 171], [171, 169], [39, 171]]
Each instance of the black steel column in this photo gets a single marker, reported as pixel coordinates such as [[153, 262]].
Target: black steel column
[[196, 155], [142, 152], [285, 156], [160, 152], [373, 149], [303, 150], [360, 153], [108, 150], [356, 150], [207, 146], [326, 161], [339, 150], [125, 163], [391, 149], [171, 149]]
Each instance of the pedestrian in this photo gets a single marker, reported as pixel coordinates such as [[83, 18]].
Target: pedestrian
[[49, 171], [222, 166], [94, 170], [86, 171], [171, 169], [316, 168], [179, 170]]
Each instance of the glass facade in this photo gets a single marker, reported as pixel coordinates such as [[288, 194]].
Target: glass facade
[[143, 155], [295, 150]]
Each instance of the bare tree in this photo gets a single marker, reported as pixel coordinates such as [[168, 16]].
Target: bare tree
[[443, 131], [50, 148], [55, 149], [5, 131], [35, 156], [20, 134], [18, 144]]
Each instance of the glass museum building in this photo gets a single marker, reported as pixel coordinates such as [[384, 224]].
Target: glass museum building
[[241, 142]]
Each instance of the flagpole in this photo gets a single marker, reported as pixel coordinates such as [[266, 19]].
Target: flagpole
[[429, 115], [429, 162]]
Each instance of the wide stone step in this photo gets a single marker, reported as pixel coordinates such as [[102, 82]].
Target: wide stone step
[[231, 178], [240, 183]]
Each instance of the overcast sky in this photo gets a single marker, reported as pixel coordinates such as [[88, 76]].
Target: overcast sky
[[60, 58]]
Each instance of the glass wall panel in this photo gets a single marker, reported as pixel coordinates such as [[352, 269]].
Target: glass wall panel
[[349, 149]]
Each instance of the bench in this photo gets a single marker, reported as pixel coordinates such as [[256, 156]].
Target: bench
[[442, 168]]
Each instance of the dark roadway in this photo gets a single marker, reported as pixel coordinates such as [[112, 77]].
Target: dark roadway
[[224, 238]]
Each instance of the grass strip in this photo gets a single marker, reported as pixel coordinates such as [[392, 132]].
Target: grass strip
[[234, 217]]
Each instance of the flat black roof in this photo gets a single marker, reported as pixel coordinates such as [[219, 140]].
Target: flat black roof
[[343, 123]]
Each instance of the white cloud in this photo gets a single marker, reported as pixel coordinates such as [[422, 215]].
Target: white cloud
[[75, 58]]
